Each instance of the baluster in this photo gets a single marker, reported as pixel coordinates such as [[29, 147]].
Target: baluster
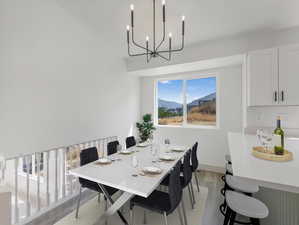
[[27, 160], [16, 190], [63, 171], [56, 175], [37, 160], [71, 166], [48, 178]]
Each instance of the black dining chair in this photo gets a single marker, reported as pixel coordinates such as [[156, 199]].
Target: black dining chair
[[194, 164], [130, 141], [186, 178], [87, 156], [162, 202], [112, 147]]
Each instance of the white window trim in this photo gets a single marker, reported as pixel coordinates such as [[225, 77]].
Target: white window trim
[[185, 77]]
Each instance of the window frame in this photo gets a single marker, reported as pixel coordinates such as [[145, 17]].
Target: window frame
[[185, 77]]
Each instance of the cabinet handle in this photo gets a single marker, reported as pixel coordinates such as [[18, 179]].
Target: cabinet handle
[[282, 96], [275, 96]]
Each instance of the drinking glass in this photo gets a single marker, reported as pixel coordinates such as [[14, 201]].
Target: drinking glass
[[265, 138], [119, 148], [135, 164], [154, 151]]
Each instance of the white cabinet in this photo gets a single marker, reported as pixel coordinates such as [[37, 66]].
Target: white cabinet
[[262, 82], [289, 75], [273, 76]]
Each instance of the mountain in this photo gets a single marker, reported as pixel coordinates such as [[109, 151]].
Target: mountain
[[206, 98], [168, 104]]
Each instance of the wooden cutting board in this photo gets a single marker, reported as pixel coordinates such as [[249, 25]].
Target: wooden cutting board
[[262, 153]]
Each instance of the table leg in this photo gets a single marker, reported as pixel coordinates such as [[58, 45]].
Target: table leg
[[115, 205]]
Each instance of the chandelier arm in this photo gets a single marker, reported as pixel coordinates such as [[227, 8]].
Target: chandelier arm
[[174, 50], [167, 59], [138, 45], [130, 54], [163, 39]]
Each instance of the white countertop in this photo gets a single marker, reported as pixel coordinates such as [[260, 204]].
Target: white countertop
[[276, 175], [119, 173]]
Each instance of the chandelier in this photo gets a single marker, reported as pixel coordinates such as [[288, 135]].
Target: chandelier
[[155, 51]]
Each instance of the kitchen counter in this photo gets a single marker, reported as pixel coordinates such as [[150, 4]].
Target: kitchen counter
[[282, 176]]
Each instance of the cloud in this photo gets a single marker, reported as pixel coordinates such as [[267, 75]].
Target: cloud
[[165, 81]]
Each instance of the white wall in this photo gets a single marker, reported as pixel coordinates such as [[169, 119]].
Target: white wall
[[212, 143], [61, 82], [230, 46]]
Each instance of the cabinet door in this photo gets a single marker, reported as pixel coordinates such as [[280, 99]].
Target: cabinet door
[[289, 75], [262, 77]]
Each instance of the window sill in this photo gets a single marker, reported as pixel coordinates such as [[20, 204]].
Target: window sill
[[190, 127]]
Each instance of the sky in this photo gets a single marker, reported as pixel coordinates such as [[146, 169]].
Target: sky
[[171, 90]]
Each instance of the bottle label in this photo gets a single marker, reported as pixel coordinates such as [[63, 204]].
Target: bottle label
[[277, 140]]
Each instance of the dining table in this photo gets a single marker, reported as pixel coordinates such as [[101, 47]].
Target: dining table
[[128, 177]]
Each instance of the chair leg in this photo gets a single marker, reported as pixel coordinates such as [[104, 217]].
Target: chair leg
[[255, 221], [165, 218], [78, 203], [99, 198], [180, 215], [184, 212], [232, 218], [131, 217], [192, 191], [227, 216], [190, 196], [197, 183], [144, 217], [106, 207]]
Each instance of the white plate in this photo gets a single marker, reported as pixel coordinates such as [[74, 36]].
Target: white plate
[[177, 149], [167, 157], [126, 152], [144, 144], [152, 169], [104, 160]]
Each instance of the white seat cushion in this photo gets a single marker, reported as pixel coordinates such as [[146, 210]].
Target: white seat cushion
[[229, 168], [228, 158], [241, 184], [245, 205]]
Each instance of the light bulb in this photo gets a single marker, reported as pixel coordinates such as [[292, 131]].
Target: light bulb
[[132, 7], [183, 18], [128, 27], [147, 38], [163, 2], [170, 35]]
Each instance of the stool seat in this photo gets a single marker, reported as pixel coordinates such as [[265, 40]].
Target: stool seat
[[245, 205], [229, 168], [228, 158], [241, 184]]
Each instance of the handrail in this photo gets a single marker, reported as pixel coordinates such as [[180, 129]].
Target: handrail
[[52, 181]]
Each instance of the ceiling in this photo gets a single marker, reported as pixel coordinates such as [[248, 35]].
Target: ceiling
[[205, 19]]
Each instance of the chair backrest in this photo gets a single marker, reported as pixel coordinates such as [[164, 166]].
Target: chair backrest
[[130, 141], [87, 156], [175, 188], [112, 147], [187, 170], [194, 159]]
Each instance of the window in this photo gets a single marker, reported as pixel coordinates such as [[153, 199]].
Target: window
[[189, 102]]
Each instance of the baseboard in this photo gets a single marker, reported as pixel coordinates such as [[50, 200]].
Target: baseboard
[[215, 169]]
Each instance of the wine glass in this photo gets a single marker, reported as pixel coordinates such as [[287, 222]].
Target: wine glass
[[167, 143], [154, 151], [265, 138], [135, 164], [119, 148]]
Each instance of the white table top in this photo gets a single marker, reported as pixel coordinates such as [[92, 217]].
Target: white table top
[[276, 175], [118, 174]]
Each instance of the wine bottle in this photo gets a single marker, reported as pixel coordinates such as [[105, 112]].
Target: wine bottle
[[278, 138]]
